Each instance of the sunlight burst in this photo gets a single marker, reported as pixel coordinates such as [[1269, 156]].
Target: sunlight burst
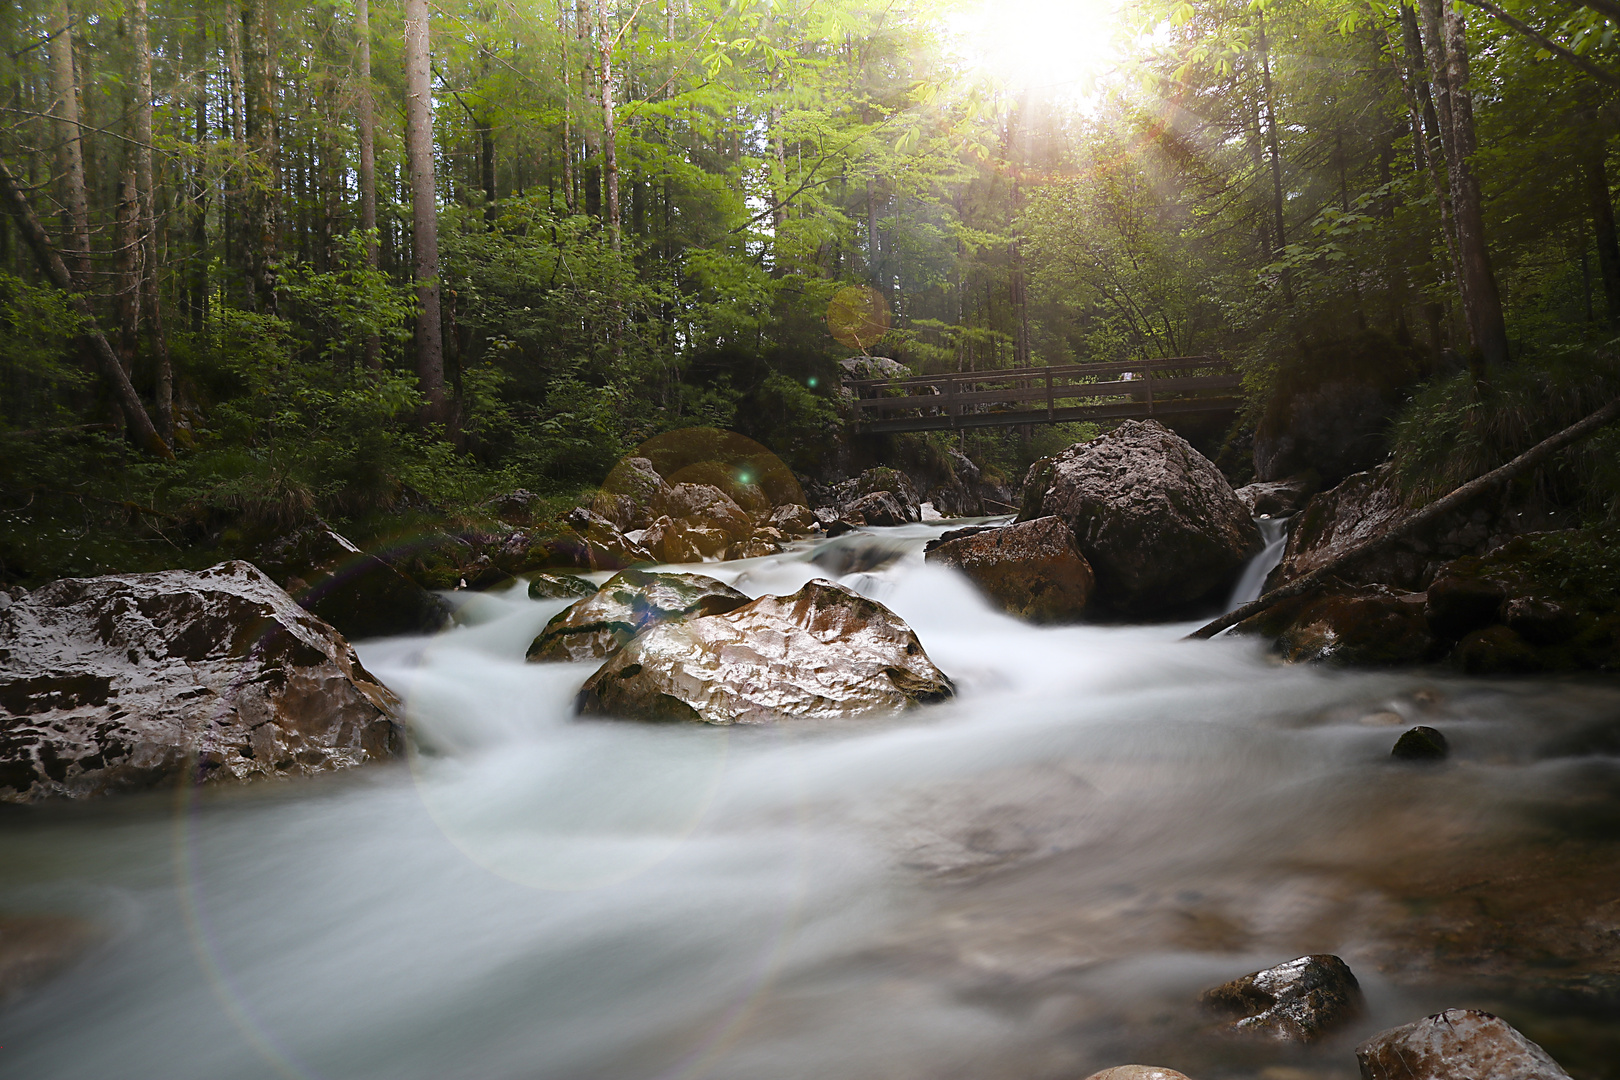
[[1057, 48]]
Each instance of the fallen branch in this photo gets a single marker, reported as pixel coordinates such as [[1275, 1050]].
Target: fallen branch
[[1387, 539], [51, 262]]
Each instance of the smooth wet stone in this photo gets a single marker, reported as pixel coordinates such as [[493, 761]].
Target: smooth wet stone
[[1275, 498], [33, 948], [127, 681], [1420, 744], [629, 492], [1033, 569], [559, 587], [793, 519], [605, 547], [823, 653], [355, 591], [1156, 520], [877, 508], [1294, 1002], [685, 541], [1458, 1044], [1137, 1072], [628, 603], [1366, 626]]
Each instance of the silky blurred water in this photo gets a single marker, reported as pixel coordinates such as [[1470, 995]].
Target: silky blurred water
[[1034, 880]]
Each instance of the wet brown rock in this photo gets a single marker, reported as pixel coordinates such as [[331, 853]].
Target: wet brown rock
[[877, 508], [354, 591], [559, 587], [1032, 569], [629, 493], [127, 681], [822, 653], [1295, 1002], [684, 541], [765, 541], [1156, 520], [1137, 1072], [1496, 650], [628, 603], [606, 547], [517, 507], [704, 506], [1458, 1044], [793, 520], [1367, 627]]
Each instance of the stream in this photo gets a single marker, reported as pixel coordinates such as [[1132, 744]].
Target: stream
[[1034, 880]]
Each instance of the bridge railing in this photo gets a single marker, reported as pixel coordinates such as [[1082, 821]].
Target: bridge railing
[[1024, 393]]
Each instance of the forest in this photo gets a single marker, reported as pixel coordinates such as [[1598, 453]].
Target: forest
[[263, 262]]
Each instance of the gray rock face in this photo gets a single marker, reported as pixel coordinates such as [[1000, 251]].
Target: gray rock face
[[877, 508], [631, 601], [354, 591], [822, 653], [1296, 1002], [1156, 520], [1365, 505], [1458, 1044], [793, 520], [704, 505], [127, 681], [1032, 569], [559, 587], [1274, 498], [606, 547]]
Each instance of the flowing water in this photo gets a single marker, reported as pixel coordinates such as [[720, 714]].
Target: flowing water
[[1034, 880]]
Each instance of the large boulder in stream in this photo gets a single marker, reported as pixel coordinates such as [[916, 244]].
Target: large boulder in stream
[[1156, 520], [823, 653], [127, 681], [1033, 569], [627, 604], [1458, 1044]]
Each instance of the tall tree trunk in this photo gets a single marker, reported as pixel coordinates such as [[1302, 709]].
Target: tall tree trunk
[[264, 202], [147, 194], [1595, 173], [365, 125], [610, 156], [1446, 47], [127, 239], [1273, 146], [198, 275], [424, 209], [65, 91], [588, 85], [569, 194], [56, 270]]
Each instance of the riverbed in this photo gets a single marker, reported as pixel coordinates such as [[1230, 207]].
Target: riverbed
[[1034, 880]]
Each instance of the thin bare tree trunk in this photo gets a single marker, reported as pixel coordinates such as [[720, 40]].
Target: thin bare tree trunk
[[1457, 499], [1595, 168], [365, 125], [147, 195], [610, 156], [1446, 47], [199, 185], [51, 263], [587, 84], [424, 209], [264, 214], [569, 195], [1275, 149], [65, 89]]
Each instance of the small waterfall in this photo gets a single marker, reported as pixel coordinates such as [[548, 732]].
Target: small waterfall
[[1253, 581]]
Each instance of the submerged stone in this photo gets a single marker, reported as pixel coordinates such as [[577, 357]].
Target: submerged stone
[[823, 653], [1420, 744], [628, 603], [1458, 1044], [1295, 1002]]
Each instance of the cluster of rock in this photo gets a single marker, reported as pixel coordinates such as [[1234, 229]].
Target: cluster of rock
[[687, 647], [129, 681], [1307, 999], [1135, 522], [1474, 591]]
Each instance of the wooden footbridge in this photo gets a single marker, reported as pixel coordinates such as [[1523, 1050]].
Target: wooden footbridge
[[1130, 390]]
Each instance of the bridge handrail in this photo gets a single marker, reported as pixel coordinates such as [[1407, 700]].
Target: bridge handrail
[[1054, 371]]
